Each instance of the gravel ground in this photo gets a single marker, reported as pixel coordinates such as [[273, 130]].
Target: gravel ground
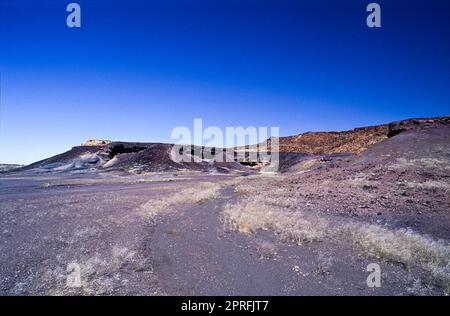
[[88, 235]]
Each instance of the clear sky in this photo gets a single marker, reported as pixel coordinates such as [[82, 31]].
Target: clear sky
[[137, 69]]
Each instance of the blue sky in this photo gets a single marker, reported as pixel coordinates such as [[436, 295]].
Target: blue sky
[[137, 69]]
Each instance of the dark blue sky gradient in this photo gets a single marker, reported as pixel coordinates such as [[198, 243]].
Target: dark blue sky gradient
[[137, 69]]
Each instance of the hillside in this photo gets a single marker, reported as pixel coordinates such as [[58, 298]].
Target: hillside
[[132, 157], [356, 140]]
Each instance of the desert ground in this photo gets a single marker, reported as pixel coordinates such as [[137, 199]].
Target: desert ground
[[310, 229]]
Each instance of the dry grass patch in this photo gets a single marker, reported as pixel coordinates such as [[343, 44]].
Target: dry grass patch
[[435, 163], [151, 180], [266, 204], [305, 165], [269, 205], [360, 180], [428, 163], [96, 275], [256, 213], [397, 246], [403, 246], [194, 195], [430, 185], [260, 185]]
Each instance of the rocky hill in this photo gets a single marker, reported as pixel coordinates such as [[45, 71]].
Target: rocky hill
[[356, 140], [131, 157], [127, 157]]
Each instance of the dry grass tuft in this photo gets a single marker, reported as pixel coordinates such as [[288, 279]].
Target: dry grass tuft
[[266, 249], [324, 264], [359, 180]]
